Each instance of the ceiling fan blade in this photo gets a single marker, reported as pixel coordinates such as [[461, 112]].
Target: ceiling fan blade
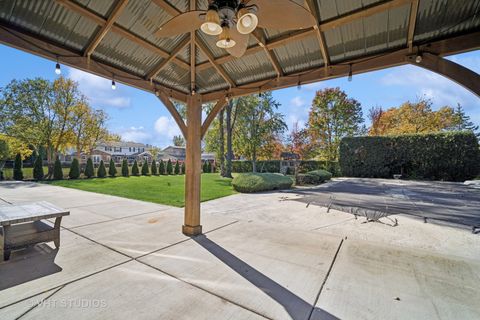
[[283, 15], [241, 43], [183, 23]]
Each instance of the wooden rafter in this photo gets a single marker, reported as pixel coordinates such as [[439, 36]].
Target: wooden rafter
[[324, 26], [43, 47], [119, 30], [320, 35], [117, 11], [166, 6], [259, 34], [211, 59], [193, 54], [159, 67], [163, 97], [411, 24], [381, 61]]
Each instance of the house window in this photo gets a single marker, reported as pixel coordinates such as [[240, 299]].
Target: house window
[[106, 149], [130, 149]]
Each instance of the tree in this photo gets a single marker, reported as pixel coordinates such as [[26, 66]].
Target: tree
[[57, 170], [183, 167], [135, 171], [17, 168], [154, 151], [101, 172], [298, 142], [89, 127], [209, 167], [161, 167], [169, 167], [177, 167], [178, 141], [463, 122], [74, 169], [125, 168], [145, 168], [205, 167], [38, 169], [154, 168], [89, 169], [413, 117], [333, 116], [112, 170], [258, 122]]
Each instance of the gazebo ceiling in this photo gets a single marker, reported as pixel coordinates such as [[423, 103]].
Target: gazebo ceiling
[[116, 38]]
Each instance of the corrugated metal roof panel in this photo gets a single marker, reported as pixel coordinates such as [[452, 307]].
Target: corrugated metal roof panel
[[126, 54], [144, 18], [175, 77], [300, 55], [369, 35], [101, 7], [331, 9], [250, 68], [209, 79], [440, 18]]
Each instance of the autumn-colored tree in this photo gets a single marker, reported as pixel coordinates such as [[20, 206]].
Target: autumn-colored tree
[[272, 148], [332, 117], [178, 141], [299, 143], [413, 117]]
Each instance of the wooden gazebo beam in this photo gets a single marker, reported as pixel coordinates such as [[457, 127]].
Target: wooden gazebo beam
[[259, 35], [320, 34], [412, 21], [159, 67], [34, 44], [117, 11], [395, 58]]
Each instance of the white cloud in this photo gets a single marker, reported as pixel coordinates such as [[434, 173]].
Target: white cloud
[[99, 90], [167, 127], [135, 134], [298, 102]]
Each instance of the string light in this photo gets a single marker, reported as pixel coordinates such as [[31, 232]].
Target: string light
[[418, 58], [114, 86], [350, 74], [57, 68], [299, 86]]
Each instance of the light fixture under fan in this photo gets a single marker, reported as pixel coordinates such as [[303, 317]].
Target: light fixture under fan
[[234, 20]]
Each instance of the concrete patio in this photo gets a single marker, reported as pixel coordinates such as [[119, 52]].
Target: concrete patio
[[262, 256]]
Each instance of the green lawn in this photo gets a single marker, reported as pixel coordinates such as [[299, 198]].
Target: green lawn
[[167, 190]]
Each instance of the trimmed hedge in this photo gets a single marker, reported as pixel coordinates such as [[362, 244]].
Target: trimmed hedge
[[256, 182], [273, 166], [57, 170], [101, 172], [307, 178], [74, 169], [322, 175], [452, 156]]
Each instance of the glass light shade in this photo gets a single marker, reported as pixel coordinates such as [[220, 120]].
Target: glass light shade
[[57, 69], [247, 21], [224, 41], [114, 86], [211, 25]]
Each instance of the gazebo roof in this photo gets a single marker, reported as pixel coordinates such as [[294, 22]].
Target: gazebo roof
[[119, 38]]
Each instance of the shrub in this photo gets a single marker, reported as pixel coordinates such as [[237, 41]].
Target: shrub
[[112, 170], [74, 169], [177, 168], [125, 168], [209, 167], [38, 169], [89, 170], [439, 156], [322, 175], [154, 168], [17, 168], [169, 167], [256, 182], [101, 172], [307, 178], [57, 170], [161, 167], [204, 167], [183, 167], [145, 168], [135, 171]]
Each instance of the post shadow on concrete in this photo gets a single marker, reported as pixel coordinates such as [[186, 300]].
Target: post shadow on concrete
[[295, 306], [28, 264]]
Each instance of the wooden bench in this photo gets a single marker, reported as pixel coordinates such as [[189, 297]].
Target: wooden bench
[[22, 226]]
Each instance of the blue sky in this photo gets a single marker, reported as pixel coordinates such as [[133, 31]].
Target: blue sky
[[139, 116]]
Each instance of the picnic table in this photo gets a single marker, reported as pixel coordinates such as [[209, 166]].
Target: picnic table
[[21, 226]]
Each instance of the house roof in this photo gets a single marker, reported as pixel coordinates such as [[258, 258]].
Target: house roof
[[351, 36]]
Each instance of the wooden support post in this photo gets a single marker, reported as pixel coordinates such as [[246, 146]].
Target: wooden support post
[[193, 163]]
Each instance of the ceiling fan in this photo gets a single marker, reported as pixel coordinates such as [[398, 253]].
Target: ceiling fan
[[234, 20]]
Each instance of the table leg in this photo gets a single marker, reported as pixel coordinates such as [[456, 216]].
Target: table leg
[[56, 240], [2, 243]]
